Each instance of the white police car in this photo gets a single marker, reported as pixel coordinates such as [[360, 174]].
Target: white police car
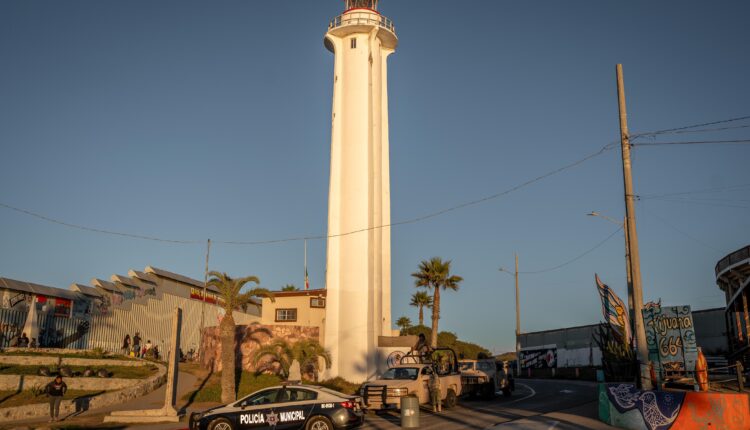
[[289, 406]]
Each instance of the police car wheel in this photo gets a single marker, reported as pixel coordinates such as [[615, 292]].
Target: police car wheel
[[220, 424], [319, 423]]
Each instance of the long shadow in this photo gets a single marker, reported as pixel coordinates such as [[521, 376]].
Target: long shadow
[[192, 397], [82, 403]]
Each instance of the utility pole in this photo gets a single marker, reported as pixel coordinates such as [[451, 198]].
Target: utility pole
[[632, 237], [518, 324], [203, 301]]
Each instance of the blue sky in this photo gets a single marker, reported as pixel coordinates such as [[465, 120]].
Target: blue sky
[[188, 120]]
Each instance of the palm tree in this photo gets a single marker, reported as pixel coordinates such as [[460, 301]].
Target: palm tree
[[404, 323], [307, 352], [436, 274], [230, 290], [277, 351], [421, 300], [289, 287]]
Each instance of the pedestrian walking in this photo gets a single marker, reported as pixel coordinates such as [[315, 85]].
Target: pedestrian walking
[[55, 391], [434, 383]]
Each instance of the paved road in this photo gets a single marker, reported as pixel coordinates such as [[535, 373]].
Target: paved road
[[536, 404]]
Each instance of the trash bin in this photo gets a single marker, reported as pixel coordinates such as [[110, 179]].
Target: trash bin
[[409, 412]]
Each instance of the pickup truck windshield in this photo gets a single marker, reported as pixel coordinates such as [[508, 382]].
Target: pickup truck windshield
[[401, 373], [466, 365]]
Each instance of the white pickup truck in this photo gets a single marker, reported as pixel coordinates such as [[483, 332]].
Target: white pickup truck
[[411, 376]]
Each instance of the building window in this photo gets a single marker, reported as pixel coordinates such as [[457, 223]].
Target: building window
[[317, 302], [354, 42], [286, 315]]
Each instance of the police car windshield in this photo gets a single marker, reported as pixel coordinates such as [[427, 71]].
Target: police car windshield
[[401, 373], [467, 365]]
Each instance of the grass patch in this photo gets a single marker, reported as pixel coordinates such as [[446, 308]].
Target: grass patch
[[128, 372], [99, 355], [249, 383], [339, 384], [13, 398]]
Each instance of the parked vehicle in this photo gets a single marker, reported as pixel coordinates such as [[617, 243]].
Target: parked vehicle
[[411, 376], [289, 406]]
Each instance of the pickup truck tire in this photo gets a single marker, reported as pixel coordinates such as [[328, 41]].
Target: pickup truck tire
[[450, 399], [507, 392]]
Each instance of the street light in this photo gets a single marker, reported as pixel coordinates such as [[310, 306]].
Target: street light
[[518, 318], [628, 272]]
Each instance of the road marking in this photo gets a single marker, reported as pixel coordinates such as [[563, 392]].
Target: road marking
[[533, 393], [555, 423], [567, 391]]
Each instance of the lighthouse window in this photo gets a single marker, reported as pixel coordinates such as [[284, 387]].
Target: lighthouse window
[[286, 315], [354, 42]]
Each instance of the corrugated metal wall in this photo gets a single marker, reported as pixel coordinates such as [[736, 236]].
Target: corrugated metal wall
[[152, 320]]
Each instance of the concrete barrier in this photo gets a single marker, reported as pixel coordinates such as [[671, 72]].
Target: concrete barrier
[[36, 360], [625, 406]]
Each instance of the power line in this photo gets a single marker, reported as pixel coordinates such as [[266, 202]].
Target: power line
[[684, 233], [697, 142], [559, 266], [701, 191], [95, 230], [674, 130], [675, 200], [707, 130], [602, 150]]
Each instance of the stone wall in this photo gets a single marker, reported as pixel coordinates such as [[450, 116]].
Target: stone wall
[[40, 360], [248, 338], [26, 382]]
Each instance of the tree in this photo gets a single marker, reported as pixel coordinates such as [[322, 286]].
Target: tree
[[277, 351], [404, 323], [289, 287], [230, 290], [436, 274], [309, 352], [421, 300]]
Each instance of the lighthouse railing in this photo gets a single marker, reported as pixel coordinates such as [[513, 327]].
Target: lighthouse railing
[[362, 18]]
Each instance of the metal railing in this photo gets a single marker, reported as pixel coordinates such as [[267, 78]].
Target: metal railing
[[735, 257], [362, 18]]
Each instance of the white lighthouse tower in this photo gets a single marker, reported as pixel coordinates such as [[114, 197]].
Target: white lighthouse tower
[[358, 276]]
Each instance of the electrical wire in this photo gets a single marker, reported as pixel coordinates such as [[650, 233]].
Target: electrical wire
[[601, 151], [698, 142], [684, 233], [687, 127], [96, 230], [701, 191], [559, 266]]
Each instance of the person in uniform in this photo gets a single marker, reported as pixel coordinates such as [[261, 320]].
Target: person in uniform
[[421, 348], [435, 392]]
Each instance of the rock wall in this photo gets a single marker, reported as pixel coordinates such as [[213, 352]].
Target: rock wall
[[248, 338]]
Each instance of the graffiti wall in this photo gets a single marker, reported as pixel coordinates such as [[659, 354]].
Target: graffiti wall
[[248, 339], [624, 406], [539, 358], [670, 336]]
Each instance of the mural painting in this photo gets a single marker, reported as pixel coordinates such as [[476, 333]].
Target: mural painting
[[248, 339], [670, 336], [625, 406], [541, 358], [614, 338]]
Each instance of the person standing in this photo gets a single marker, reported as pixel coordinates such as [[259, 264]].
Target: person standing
[[434, 383], [421, 348], [55, 391], [137, 344], [23, 342], [126, 345]]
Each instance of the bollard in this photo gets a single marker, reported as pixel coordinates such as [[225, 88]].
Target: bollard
[[409, 412], [740, 377]]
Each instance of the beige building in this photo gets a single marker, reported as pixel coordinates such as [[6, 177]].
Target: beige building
[[296, 308]]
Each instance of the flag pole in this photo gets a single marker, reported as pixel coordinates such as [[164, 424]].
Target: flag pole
[[305, 280]]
